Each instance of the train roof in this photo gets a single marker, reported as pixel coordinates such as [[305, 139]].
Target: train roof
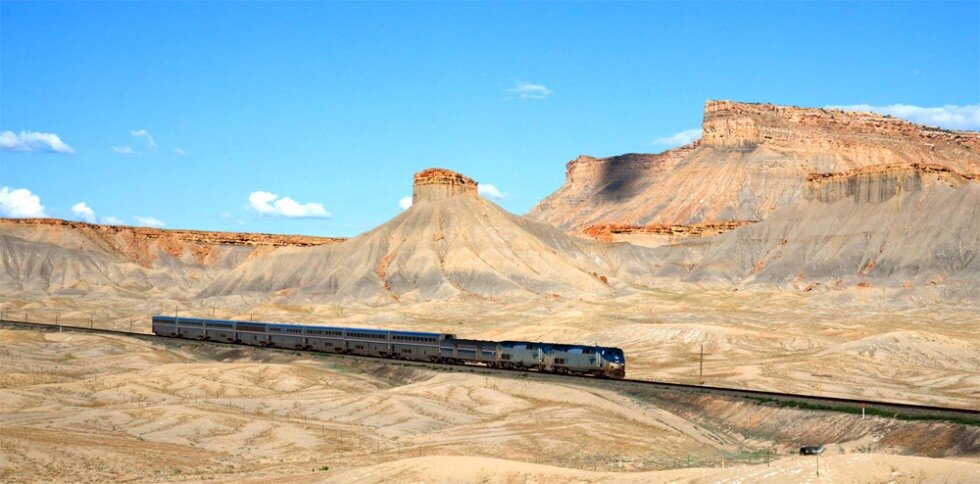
[[558, 345], [292, 325]]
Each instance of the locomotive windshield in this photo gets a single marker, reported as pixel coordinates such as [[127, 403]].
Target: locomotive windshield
[[613, 355]]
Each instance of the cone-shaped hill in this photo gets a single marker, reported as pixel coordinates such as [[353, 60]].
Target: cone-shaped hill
[[449, 242]]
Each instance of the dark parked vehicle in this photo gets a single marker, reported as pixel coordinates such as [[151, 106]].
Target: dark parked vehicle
[[811, 450]]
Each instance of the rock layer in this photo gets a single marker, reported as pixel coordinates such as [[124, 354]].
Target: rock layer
[[659, 234], [60, 257], [439, 183], [879, 183]]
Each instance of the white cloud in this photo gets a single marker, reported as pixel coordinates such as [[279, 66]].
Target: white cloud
[[527, 90], [490, 191], [123, 150], [20, 203], [148, 221], [405, 203], [83, 211], [270, 204], [949, 116], [179, 152], [142, 133], [678, 139], [110, 220], [33, 142]]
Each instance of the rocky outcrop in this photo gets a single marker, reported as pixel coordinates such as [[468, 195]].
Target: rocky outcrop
[[665, 234], [752, 159], [439, 184], [746, 125]]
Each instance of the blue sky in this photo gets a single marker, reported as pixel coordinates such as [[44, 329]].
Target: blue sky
[[312, 117]]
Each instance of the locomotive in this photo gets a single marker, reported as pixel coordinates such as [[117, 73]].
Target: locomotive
[[599, 361]]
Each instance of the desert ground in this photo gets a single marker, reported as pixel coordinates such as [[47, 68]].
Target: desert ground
[[84, 407]]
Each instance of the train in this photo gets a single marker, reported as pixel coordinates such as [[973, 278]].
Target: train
[[594, 360]]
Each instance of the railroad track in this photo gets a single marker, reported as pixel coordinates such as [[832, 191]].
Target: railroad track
[[847, 405]]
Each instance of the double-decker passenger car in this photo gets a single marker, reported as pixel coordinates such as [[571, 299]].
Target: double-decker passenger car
[[409, 345]]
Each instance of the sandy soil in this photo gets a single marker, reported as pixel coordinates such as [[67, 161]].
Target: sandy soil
[[79, 407], [837, 468]]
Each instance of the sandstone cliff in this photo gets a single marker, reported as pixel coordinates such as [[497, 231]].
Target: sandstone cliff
[[752, 159], [439, 183]]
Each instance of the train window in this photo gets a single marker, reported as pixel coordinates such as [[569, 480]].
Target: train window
[[504, 356], [359, 347], [559, 361], [406, 350]]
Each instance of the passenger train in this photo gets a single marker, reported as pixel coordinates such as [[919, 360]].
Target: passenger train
[[597, 361]]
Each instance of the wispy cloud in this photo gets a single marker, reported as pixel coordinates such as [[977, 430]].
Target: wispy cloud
[[148, 221], [949, 116], [179, 152], [34, 142], [83, 212], [271, 204], [678, 139], [20, 203], [230, 216], [123, 150], [110, 220], [142, 133], [490, 191], [405, 203], [527, 90]]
